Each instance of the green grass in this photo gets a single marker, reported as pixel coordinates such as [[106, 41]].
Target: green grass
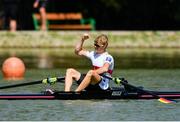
[[56, 39]]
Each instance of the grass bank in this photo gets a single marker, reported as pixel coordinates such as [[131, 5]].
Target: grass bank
[[56, 39]]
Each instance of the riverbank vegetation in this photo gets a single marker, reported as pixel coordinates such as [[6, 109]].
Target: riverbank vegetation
[[56, 39]]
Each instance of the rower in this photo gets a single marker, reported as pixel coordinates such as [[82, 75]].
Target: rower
[[102, 62]]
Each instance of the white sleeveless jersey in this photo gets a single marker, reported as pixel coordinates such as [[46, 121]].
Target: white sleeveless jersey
[[98, 60]]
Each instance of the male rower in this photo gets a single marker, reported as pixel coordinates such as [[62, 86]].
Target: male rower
[[102, 62]]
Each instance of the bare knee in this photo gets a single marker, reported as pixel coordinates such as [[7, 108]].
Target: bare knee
[[70, 71], [90, 73]]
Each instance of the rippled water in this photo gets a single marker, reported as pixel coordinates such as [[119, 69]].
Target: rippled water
[[88, 110], [106, 110]]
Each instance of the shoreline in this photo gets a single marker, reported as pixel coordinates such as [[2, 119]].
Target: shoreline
[[67, 39]]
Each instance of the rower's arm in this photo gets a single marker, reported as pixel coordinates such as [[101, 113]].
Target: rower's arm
[[103, 69], [79, 46]]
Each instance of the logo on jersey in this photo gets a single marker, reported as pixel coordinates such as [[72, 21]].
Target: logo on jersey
[[108, 59]]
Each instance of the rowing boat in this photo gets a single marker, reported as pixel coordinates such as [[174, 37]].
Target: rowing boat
[[127, 91], [115, 93]]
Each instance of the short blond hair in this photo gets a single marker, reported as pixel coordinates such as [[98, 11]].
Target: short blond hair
[[101, 40]]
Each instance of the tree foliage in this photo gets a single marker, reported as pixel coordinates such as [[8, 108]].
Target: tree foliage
[[114, 14]]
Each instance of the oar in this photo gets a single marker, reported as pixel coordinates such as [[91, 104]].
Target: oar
[[58, 79], [122, 81]]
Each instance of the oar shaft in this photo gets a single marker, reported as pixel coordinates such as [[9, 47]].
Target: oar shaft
[[139, 89], [21, 84], [59, 79], [161, 99], [129, 85]]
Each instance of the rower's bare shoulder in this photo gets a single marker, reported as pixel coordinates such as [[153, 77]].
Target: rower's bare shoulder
[[83, 52]]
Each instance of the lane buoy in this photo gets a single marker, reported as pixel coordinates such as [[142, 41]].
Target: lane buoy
[[13, 68]]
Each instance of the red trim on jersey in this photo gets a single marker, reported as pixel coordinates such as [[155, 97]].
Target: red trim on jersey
[[109, 71]]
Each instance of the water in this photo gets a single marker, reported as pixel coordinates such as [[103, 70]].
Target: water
[[148, 58], [91, 110]]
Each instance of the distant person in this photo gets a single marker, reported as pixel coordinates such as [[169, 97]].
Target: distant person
[[11, 13], [41, 5]]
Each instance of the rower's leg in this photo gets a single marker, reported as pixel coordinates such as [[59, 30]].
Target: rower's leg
[[71, 75], [91, 78]]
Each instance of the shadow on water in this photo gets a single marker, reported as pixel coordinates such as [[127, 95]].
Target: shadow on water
[[124, 58]]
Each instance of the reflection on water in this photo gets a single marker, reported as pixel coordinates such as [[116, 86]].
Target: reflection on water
[[124, 58], [44, 61]]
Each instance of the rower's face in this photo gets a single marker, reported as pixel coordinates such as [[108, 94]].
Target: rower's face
[[99, 48]]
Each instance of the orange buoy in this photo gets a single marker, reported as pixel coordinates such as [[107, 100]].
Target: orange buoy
[[13, 68]]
